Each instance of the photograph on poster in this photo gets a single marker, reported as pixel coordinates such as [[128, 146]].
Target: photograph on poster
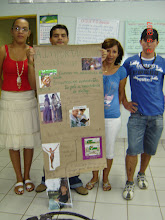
[[50, 108], [53, 150], [94, 63], [79, 116], [92, 147], [45, 77], [58, 191]]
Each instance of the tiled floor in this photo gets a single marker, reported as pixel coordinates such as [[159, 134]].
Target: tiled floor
[[146, 205]]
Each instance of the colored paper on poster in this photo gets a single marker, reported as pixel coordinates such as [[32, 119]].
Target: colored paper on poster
[[45, 77], [78, 85], [92, 147]]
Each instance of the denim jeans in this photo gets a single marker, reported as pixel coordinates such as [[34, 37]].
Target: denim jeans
[[144, 133]]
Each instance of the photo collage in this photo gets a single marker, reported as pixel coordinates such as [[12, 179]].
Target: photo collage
[[50, 105]]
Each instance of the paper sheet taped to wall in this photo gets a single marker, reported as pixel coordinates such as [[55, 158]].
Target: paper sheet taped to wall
[[133, 35], [95, 30]]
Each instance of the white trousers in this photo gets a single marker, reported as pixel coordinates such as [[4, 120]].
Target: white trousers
[[112, 127]]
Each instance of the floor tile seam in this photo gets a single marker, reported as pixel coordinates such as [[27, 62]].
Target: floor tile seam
[[84, 201], [4, 156], [34, 160], [96, 196], [7, 178], [143, 205], [37, 159], [75, 200], [36, 169], [29, 204], [119, 204], [6, 166], [111, 203], [40, 154], [161, 190], [3, 198], [114, 187], [115, 174], [140, 190], [29, 216], [10, 213], [7, 193], [156, 165], [156, 192]]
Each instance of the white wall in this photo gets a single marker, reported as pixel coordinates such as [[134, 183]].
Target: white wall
[[68, 12]]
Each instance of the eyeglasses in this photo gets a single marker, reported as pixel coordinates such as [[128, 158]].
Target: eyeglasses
[[24, 29]]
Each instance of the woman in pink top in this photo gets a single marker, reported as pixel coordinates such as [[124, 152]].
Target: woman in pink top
[[19, 125]]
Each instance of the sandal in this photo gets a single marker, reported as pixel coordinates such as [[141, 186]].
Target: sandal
[[90, 185], [29, 185], [19, 190], [106, 186]]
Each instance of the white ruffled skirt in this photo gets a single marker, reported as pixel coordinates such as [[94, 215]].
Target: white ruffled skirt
[[19, 121]]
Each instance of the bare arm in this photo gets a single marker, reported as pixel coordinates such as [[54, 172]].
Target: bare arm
[[31, 70], [130, 106], [2, 57], [46, 150], [55, 148], [122, 89]]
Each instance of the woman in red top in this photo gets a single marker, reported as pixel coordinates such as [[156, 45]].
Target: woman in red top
[[19, 125]]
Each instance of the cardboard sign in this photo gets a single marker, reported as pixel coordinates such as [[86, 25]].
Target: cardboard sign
[[71, 108]]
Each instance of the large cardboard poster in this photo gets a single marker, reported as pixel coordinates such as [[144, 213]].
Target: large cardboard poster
[[71, 108]]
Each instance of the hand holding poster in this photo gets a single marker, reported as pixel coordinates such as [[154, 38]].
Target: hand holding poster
[[71, 109]]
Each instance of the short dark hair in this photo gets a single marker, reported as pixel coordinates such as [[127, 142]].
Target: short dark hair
[[18, 19], [154, 34], [110, 42], [59, 26]]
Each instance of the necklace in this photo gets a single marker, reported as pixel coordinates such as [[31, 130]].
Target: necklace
[[151, 64], [19, 82]]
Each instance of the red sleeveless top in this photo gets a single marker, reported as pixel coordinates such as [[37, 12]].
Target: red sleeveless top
[[10, 74]]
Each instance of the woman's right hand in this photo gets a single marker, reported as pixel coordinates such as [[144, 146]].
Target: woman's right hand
[[104, 54], [30, 55]]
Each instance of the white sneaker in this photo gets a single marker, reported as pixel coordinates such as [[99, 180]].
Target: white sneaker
[[128, 192], [142, 181]]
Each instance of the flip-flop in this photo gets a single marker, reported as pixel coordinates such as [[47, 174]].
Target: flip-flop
[[90, 185], [20, 189], [29, 185], [106, 186]]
